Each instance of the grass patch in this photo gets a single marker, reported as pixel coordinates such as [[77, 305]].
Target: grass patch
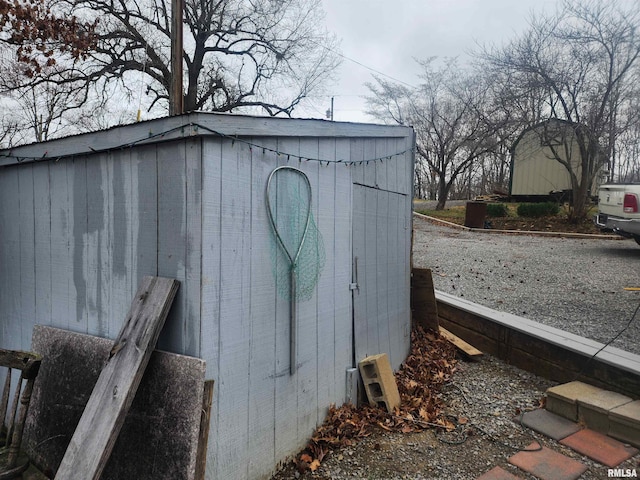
[[456, 214], [510, 220], [451, 214]]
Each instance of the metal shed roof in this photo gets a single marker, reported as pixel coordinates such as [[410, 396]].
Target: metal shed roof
[[190, 125]]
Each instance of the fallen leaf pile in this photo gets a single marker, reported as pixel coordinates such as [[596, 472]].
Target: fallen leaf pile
[[428, 367]]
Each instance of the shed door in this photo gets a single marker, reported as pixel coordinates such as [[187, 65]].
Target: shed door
[[381, 244]]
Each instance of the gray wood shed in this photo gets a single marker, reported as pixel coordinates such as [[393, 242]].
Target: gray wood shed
[[84, 218]]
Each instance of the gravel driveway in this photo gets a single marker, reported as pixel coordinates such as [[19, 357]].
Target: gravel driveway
[[576, 285]]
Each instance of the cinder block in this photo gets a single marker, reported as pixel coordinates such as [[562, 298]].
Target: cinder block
[[624, 423], [594, 408], [563, 399], [379, 382]]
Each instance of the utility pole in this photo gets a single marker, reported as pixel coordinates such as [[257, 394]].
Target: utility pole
[[176, 94], [329, 112], [332, 109]]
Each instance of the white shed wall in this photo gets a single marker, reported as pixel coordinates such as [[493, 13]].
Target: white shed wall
[[78, 233], [246, 323]]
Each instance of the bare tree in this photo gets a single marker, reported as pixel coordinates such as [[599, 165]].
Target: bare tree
[[627, 155], [261, 54], [582, 58], [38, 34], [8, 131], [41, 110], [450, 115], [52, 111]]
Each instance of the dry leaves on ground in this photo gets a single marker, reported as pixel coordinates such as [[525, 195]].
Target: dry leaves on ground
[[428, 367]]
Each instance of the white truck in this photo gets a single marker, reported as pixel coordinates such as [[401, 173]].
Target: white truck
[[619, 209]]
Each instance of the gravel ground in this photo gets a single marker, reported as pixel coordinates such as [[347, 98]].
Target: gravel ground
[[571, 284], [576, 285], [484, 398]]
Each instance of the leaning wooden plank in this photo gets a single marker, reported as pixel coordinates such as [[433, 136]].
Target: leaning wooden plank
[[111, 398], [33, 473], [472, 352], [203, 437], [423, 299]]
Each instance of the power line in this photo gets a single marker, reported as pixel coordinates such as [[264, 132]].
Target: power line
[[362, 64], [374, 70]]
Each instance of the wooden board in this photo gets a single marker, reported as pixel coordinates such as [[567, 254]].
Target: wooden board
[[472, 352], [424, 307], [111, 398], [203, 437], [234, 309], [342, 340], [541, 349]]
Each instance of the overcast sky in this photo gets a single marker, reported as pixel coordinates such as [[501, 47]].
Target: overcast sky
[[386, 35]]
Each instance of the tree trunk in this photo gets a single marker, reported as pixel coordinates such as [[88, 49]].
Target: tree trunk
[[580, 205], [443, 193], [581, 192]]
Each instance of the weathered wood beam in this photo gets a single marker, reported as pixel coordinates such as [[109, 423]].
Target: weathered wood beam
[[546, 351], [424, 308], [98, 429], [27, 362], [469, 350], [203, 437]]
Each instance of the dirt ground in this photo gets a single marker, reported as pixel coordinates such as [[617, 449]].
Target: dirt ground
[[484, 401]]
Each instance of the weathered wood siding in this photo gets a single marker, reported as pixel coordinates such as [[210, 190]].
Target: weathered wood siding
[[382, 196], [78, 233], [247, 347]]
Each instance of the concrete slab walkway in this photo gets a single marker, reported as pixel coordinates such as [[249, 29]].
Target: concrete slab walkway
[[599, 447], [547, 464]]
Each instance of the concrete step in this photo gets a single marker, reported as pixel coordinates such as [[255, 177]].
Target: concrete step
[[624, 423], [607, 412], [549, 424], [594, 408], [563, 399]]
